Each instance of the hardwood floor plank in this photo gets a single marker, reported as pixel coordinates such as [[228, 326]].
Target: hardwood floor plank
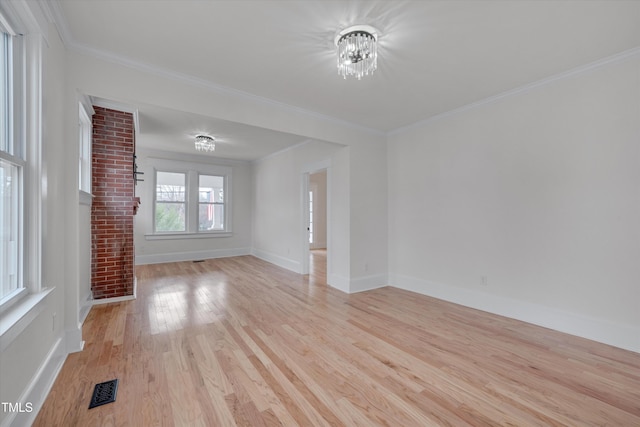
[[240, 342]]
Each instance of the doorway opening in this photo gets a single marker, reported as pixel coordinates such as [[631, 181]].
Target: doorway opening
[[317, 229], [316, 244]]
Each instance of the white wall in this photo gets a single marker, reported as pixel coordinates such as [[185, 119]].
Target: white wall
[[84, 260], [154, 251], [538, 192], [318, 183], [364, 190], [35, 351], [279, 228]]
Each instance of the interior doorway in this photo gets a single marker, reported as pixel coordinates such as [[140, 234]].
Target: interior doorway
[[316, 223]]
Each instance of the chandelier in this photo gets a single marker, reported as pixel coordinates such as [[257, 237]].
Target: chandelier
[[357, 51], [205, 143]]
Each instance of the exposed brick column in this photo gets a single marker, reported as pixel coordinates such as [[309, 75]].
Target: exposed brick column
[[112, 210]]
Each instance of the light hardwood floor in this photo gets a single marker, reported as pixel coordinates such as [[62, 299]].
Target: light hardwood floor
[[238, 341]]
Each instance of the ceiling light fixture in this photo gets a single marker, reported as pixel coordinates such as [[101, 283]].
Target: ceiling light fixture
[[205, 143], [357, 51]]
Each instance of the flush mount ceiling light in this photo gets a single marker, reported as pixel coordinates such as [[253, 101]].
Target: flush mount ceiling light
[[205, 143], [357, 51]]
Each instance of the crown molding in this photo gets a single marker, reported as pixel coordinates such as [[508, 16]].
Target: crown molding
[[619, 57], [55, 11], [25, 17]]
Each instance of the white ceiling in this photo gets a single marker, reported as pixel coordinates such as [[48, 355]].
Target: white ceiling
[[434, 56], [173, 130]]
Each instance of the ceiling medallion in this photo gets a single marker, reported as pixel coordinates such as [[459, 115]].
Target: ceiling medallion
[[357, 51], [205, 143]]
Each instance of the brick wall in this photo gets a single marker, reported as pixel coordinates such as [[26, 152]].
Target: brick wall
[[112, 210]]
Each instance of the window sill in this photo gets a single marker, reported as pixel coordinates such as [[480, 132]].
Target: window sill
[[20, 315], [176, 236]]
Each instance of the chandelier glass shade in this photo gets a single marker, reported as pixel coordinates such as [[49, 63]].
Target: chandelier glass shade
[[205, 143], [357, 51]]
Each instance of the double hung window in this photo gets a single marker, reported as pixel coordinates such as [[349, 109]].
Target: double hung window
[[190, 201], [12, 165]]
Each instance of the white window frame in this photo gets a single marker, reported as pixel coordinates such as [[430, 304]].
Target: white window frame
[[24, 20], [85, 134], [192, 173], [184, 202], [13, 155], [213, 203]]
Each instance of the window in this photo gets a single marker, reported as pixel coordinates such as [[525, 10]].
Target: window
[[211, 203], [84, 158], [191, 199], [171, 202], [10, 219], [12, 165]]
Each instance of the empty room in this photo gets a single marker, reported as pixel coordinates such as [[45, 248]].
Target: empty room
[[320, 213]]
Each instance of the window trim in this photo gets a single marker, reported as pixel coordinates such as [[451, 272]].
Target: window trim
[[192, 171], [185, 202], [26, 18], [85, 137], [198, 203]]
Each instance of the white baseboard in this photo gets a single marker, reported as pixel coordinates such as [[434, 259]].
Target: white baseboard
[[114, 299], [367, 283], [85, 307], [280, 261], [601, 330], [118, 299], [341, 283], [39, 387], [190, 256], [73, 339]]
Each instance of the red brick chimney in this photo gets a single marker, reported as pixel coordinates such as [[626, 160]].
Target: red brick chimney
[[112, 210]]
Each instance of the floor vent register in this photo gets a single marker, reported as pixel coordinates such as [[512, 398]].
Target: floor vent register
[[104, 393]]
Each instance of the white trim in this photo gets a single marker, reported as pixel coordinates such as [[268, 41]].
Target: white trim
[[118, 299], [280, 261], [601, 330], [20, 315], [38, 388], [72, 45], [622, 56], [26, 17], [114, 299], [191, 171], [85, 306], [367, 283], [87, 104], [305, 223], [85, 147], [190, 256], [340, 283], [33, 183], [316, 166], [73, 339], [178, 236]]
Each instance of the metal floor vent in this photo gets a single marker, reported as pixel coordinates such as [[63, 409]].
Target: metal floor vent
[[104, 393]]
